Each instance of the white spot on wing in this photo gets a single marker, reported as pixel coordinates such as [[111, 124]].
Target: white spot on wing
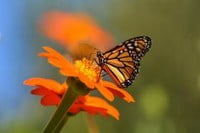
[[132, 40], [135, 44], [129, 44]]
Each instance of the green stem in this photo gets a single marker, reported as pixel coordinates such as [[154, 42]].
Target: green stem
[[62, 109], [60, 117], [61, 123]]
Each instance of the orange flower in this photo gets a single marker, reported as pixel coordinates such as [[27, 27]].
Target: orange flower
[[88, 73], [52, 92], [71, 29]]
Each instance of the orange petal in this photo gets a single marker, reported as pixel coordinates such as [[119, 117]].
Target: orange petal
[[49, 100], [70, 29], [94, 105], [46, 83], [49, 97], [41, 91], [84, 79], [98, 102], [105, 92], [76, 108], [118, 91], [56, 59]]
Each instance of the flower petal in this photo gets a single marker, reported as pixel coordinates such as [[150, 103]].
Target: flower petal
[[98, 102], [49, 100], [104, 91], [118, 91], [49, 97], [84, 79], [41, 91], [46, 83], [56, 59], [94, 105]]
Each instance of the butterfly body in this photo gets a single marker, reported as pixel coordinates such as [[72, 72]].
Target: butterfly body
[[123, 61]]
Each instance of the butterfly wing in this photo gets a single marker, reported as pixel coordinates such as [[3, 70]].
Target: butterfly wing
[[122, 62]]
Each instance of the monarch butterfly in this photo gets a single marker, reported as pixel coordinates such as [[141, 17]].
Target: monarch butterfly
[[123, 61]]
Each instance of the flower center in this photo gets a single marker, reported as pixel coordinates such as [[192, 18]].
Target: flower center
[[88, 68]]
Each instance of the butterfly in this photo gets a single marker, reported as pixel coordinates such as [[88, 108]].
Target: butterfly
[[123, 61]]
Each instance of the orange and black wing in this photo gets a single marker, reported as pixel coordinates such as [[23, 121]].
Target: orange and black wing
[[122, 62]]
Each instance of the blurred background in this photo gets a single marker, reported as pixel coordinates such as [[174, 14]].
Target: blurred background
[[167, 90]]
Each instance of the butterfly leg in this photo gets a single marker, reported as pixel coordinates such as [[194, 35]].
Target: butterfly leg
[[95, 61], [99, 75]]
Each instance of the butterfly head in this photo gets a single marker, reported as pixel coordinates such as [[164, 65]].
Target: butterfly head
[[101, 59]]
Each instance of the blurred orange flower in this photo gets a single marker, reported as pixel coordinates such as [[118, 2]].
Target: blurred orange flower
[[52, 92], [71, 29], [87, 72]]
